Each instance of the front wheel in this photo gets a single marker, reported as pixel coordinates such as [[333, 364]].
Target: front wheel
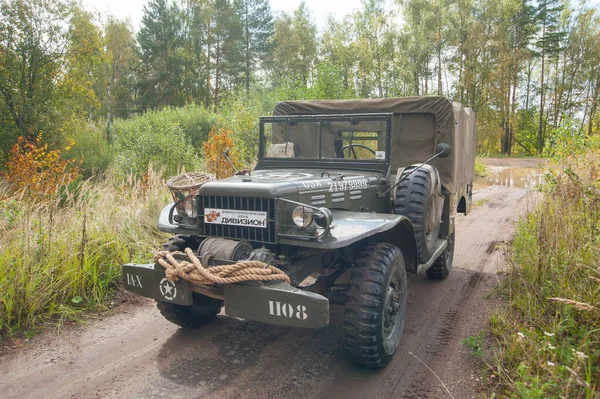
[[376, 306], [201, 312], [204, 309]]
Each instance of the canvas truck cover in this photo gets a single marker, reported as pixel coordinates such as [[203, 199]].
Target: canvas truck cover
[[418, 125]]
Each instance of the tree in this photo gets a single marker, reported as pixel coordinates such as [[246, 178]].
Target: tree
[[375, 44], [84, 82], [257, 29], [338, 48], [32, 43], [224, 49], [120, 59], [294, 48], [161, 42], [548, 45]]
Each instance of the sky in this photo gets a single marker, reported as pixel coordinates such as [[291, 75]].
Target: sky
[[133, 9]]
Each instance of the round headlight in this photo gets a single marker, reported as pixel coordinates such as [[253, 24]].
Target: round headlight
[[190, 207], [302, 216]]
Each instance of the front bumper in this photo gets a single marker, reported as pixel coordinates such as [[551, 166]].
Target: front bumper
[[267, 302]]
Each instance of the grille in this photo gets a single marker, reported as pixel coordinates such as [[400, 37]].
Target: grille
[[257, 234]]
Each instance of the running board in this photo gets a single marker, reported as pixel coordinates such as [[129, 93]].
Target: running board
[[441, 245]]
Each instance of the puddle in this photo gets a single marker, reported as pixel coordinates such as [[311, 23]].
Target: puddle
[[512, 177]]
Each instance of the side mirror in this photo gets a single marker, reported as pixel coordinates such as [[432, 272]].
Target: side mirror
[[443, 149], [226, 155]]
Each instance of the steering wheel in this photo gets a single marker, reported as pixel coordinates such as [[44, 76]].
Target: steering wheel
[[340, 153]]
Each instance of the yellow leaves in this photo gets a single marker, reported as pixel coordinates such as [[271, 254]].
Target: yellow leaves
[[213, 148], [31, 165]]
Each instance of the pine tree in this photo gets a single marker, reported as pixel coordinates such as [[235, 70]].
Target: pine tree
[[548, 12], [161, 43], [257, 28]]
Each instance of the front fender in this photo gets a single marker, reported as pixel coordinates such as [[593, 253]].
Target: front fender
[[349, 227], [166, 225]]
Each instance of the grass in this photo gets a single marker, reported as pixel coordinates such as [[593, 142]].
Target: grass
[[547, 339], [475, 343], [480, 169], [63, 255]]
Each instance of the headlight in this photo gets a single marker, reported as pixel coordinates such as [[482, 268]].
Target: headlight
[[189, 205], [302, 216]]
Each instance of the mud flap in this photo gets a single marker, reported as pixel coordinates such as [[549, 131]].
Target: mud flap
[[276, 303], [150, 281]]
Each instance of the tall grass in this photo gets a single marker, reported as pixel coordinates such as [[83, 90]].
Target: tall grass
[[62, 255], [549, 337]]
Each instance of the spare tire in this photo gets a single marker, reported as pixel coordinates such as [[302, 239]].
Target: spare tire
[[415, 199]]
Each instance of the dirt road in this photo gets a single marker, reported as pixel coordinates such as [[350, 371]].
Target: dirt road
[[139, 354]]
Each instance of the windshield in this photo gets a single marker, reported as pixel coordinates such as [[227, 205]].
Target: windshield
[[360, 137]]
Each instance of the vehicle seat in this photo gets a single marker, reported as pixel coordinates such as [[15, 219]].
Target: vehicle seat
[[281, 150]]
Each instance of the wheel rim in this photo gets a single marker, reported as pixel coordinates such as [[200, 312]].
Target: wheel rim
[[391, 308]]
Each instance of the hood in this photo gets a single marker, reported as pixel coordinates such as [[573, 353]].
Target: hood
[[275, 183]]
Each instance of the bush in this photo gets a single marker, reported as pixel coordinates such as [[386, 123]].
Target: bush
[[58, 258], [153, 138], [195, 121], [32, 166], [240, 115], [214, 147], [92, 148]]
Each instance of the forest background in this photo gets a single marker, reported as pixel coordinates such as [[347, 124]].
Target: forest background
[[86, 81]]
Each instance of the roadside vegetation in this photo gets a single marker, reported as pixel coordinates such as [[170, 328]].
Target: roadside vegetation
[[547, 340]]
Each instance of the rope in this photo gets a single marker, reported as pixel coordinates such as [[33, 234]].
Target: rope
[[203, 278]]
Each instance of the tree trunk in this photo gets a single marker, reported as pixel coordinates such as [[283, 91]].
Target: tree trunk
[[594, 107], [542, 94], [109, 104], [440, 86], [247, 48]]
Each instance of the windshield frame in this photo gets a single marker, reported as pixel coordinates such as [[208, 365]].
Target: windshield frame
[[329, 163]]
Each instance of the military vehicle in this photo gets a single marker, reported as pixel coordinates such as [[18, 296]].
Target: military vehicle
[[346, 197]]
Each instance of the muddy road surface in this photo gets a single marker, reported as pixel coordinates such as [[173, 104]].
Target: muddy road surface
[[135, 353]]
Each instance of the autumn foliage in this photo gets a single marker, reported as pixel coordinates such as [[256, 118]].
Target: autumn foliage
[[218, 141], [33, 166]]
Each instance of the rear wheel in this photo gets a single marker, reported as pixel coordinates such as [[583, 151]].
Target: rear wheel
[[204, 309], [414, 199], [442, 265], [376, 306]]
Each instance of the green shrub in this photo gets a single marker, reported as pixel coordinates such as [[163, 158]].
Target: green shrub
[[92, 148], [195, 121], [241, 116], [154, 138]]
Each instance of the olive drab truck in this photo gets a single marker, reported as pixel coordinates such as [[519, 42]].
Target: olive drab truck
[[346, 198]]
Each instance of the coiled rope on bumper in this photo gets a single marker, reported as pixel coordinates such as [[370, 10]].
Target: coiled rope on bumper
[[204, 279]]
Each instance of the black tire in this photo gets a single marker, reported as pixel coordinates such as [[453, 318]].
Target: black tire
[[204, 309], [413, 199], [376, 306], [442, 265]]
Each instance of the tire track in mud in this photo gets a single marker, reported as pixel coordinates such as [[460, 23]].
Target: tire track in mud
[[438, 311]]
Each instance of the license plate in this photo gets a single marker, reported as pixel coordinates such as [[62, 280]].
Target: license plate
[[151, 282], [276, 303]]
